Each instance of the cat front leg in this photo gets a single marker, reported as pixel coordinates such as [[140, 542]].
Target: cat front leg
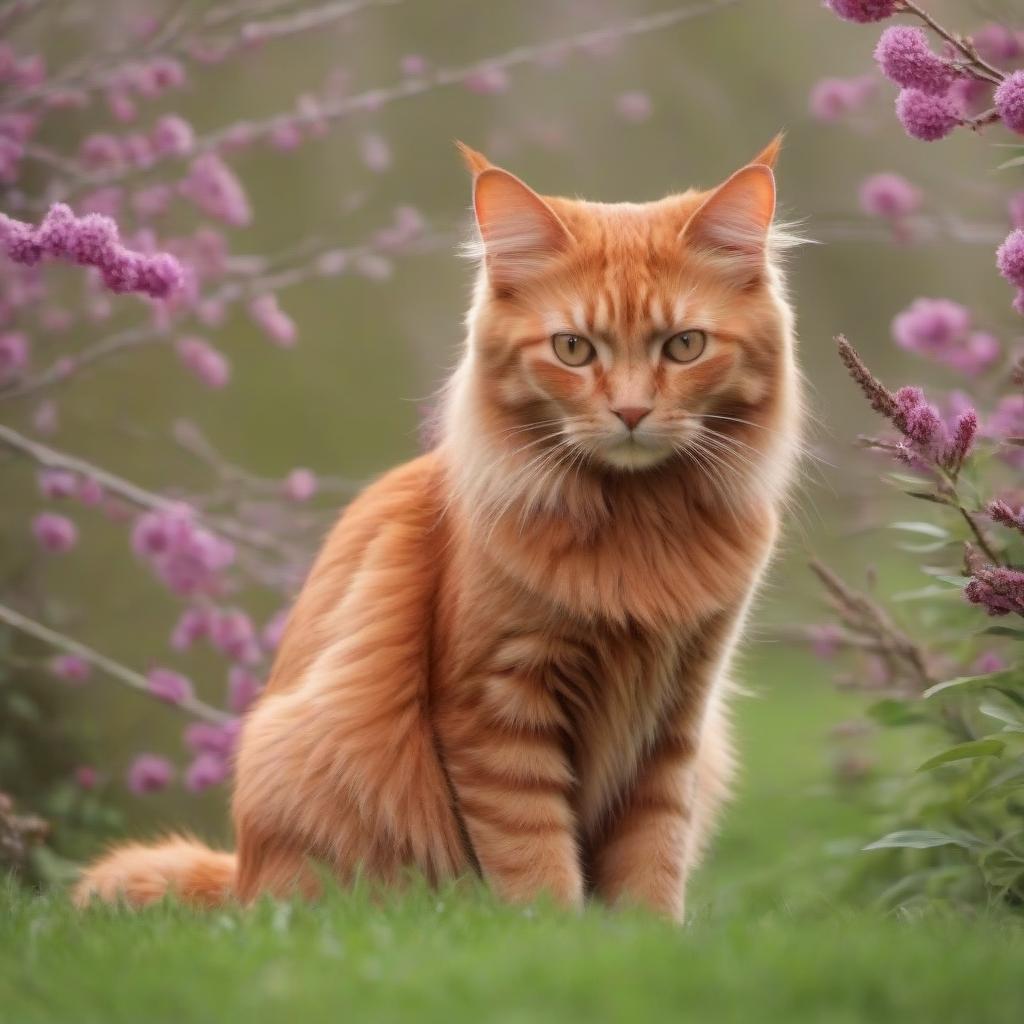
[[512, 781]]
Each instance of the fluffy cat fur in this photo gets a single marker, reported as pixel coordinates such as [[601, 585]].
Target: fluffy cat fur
[[512, 655]]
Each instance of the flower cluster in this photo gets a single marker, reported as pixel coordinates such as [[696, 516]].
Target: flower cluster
[[941, 330], [185, 556], [91, 241]]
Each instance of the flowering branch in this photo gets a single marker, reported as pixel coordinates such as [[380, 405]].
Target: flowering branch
[[190, 704]]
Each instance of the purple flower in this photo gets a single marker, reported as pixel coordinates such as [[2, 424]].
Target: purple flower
[[970, 96], [243, 688], [185, 556], [274, 321], [826, 641], [207, 738], [940, 329], [101, 151], [13, 355], [206, 362], [863, 11], [413, 64], [997, 43], [90, 491], [55, 534], [192, 625], [834, 98], [1009, 100], [889, 195], [997, 589], [172, 136], [57, 483], [215, 189], [965, 430], [906, 59], [71, 668], [1010, 258], [149, 774], [926, 117], [233, 634], [300, 485], [987, 662], [205, 771], [169, 686]]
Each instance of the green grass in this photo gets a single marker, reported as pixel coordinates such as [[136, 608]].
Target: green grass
[[770, 939]]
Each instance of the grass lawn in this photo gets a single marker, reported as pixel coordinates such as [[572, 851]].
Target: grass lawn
[[769, 940]]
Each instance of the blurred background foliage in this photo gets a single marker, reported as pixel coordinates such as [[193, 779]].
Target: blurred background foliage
[[349, 399]]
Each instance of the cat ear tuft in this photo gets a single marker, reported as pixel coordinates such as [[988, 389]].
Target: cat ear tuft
[[474, 160], [733, 222], [769, 156], [519, 231]]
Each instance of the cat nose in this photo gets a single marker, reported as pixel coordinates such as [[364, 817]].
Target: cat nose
[[631, 415]]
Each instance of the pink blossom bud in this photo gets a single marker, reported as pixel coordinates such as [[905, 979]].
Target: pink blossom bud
[[1009, 99], [300, 485], [925, 117], [149, 774], [172, 136], [208, 364], [863, 11], [834, 98], [889, 195], [193, 625], [274, 322], [90, 491], [487, 81], [122, 107], [56, 534], [206, 738], [215, 189], [1010, 258], [166, 685], [57, 483], [71, 668], [205, 771], [243, 688], [413, 64], [285, 136]]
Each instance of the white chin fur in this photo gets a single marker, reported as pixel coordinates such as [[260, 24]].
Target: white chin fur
[[632, 455]]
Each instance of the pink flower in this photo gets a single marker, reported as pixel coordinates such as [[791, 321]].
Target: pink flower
[[970, 96], [192, 625], [275, 323], [169, 686], [205, 771], [86, 777], [13, 355], [863, 11], [834, 98], [997, 43], [413, 64], [57, 483], [90, 491], [889, 195], [206, 362], [71, 668], [925, 117], [987, 662], [206, 738], [243, 688], [826, 641], [185, 556], [906, 59], [56, 534], [100, 151], [1010, 258], [216, 190], [152, 201], [149, 774], [233, 634], [300, 485], [940, 329], [634, 106], [1016, 208], [172, 136], [1009, 99]]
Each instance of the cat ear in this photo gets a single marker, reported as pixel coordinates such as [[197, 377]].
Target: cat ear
[[769, 156], [519, 231], [733, 223], [474, 160]]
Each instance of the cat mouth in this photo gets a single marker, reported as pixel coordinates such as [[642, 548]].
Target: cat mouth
[[634, 452]]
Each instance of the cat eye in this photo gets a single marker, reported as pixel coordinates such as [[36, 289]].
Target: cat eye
[[573, 349], [686, 346]]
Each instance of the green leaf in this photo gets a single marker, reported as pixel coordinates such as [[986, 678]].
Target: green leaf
[[956, 581], [965, 752], [1005, 783], [926, 496], [1016, 634], [1017, 161], [1001, 714], [926, 529], [1016, 696], [1006, 675], [894, 712], [922, 839]]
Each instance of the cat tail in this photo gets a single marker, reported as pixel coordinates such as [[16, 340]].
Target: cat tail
[[139, 875]]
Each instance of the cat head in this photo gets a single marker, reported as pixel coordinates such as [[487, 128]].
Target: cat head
[[625, 337]]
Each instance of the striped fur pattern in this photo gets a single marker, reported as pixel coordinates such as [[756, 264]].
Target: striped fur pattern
[[513, 654]]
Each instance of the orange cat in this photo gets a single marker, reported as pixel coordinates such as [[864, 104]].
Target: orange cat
[[512, 655]]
